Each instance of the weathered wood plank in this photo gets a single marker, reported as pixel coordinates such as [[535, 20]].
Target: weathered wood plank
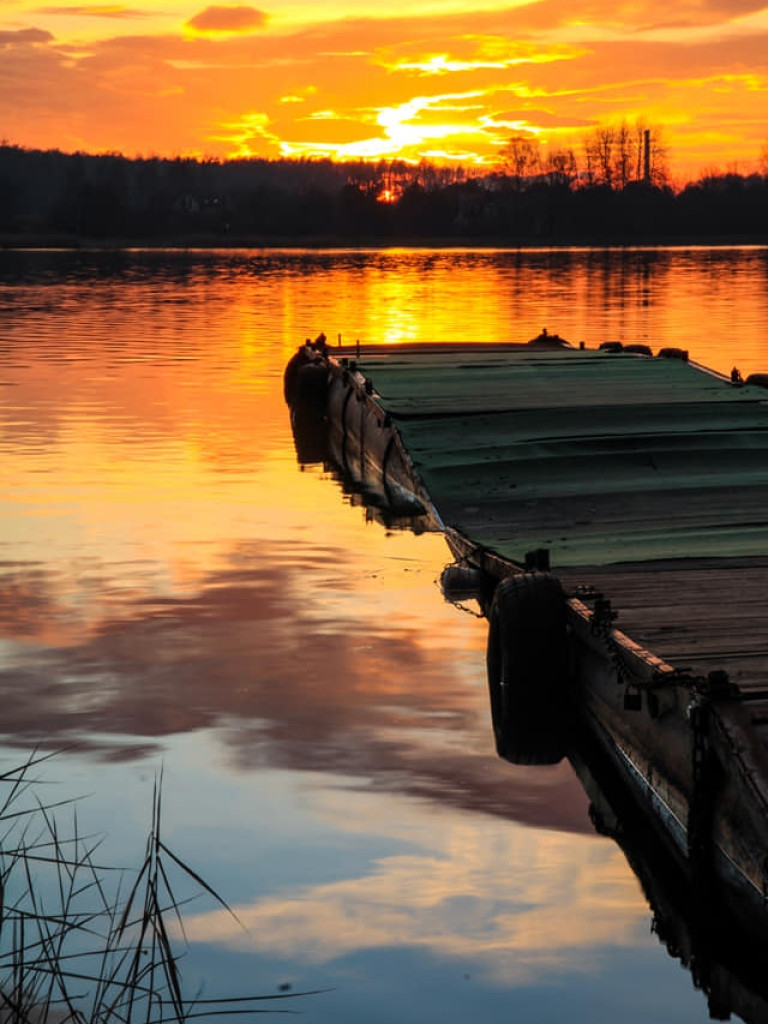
[[694, 614]]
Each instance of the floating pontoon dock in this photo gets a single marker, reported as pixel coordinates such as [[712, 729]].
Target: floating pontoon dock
[[614, 506], [646, 478]]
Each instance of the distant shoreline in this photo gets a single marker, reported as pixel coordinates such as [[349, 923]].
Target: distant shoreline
[[10, 241]]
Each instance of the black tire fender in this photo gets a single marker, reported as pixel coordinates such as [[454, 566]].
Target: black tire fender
[[673, 353], [527, 664]]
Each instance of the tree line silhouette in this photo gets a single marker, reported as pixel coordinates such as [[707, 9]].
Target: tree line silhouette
[[616, 192]]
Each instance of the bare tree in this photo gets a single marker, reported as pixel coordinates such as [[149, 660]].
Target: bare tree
[[606, 147], [625, 161], [560, 166], [521, 159], [619, 154], [365, 177], [658, 158], [598, 150]]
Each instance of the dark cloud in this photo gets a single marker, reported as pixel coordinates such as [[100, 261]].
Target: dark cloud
[[228, 19], [25, 37], [734, 8]]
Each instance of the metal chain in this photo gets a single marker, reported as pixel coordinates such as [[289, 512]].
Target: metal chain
[[704, 770], [601, 626], [463, 562]]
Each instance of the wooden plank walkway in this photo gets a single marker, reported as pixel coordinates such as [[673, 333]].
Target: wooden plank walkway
[[645, 477], [695, 614]]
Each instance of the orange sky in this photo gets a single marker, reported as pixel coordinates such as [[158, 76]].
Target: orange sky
[[442, 79]]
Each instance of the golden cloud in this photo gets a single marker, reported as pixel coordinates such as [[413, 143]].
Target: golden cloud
[[478, 53], [552, 903], [249, 136]]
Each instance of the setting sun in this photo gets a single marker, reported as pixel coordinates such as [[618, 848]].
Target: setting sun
[[442, 81]]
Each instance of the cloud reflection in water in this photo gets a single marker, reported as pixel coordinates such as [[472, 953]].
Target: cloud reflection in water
[[514, 898], [281, 670]]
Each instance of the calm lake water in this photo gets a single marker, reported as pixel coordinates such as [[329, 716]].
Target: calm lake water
[[178, 594]]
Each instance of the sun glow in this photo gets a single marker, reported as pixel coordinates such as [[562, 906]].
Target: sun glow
[[487, 54]]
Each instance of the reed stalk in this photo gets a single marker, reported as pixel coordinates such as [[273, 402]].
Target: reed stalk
[[87, 943]]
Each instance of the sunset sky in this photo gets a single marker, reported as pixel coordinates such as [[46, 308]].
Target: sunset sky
[[444, 80]]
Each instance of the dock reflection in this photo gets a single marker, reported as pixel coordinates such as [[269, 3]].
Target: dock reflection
[[725, 961], [725, 954], [318, 445]]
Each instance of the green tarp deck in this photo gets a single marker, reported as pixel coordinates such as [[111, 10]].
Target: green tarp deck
[[600, 457]]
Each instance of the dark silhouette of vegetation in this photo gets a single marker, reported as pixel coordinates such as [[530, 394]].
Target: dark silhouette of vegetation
[[78, 946], [614, 190]]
